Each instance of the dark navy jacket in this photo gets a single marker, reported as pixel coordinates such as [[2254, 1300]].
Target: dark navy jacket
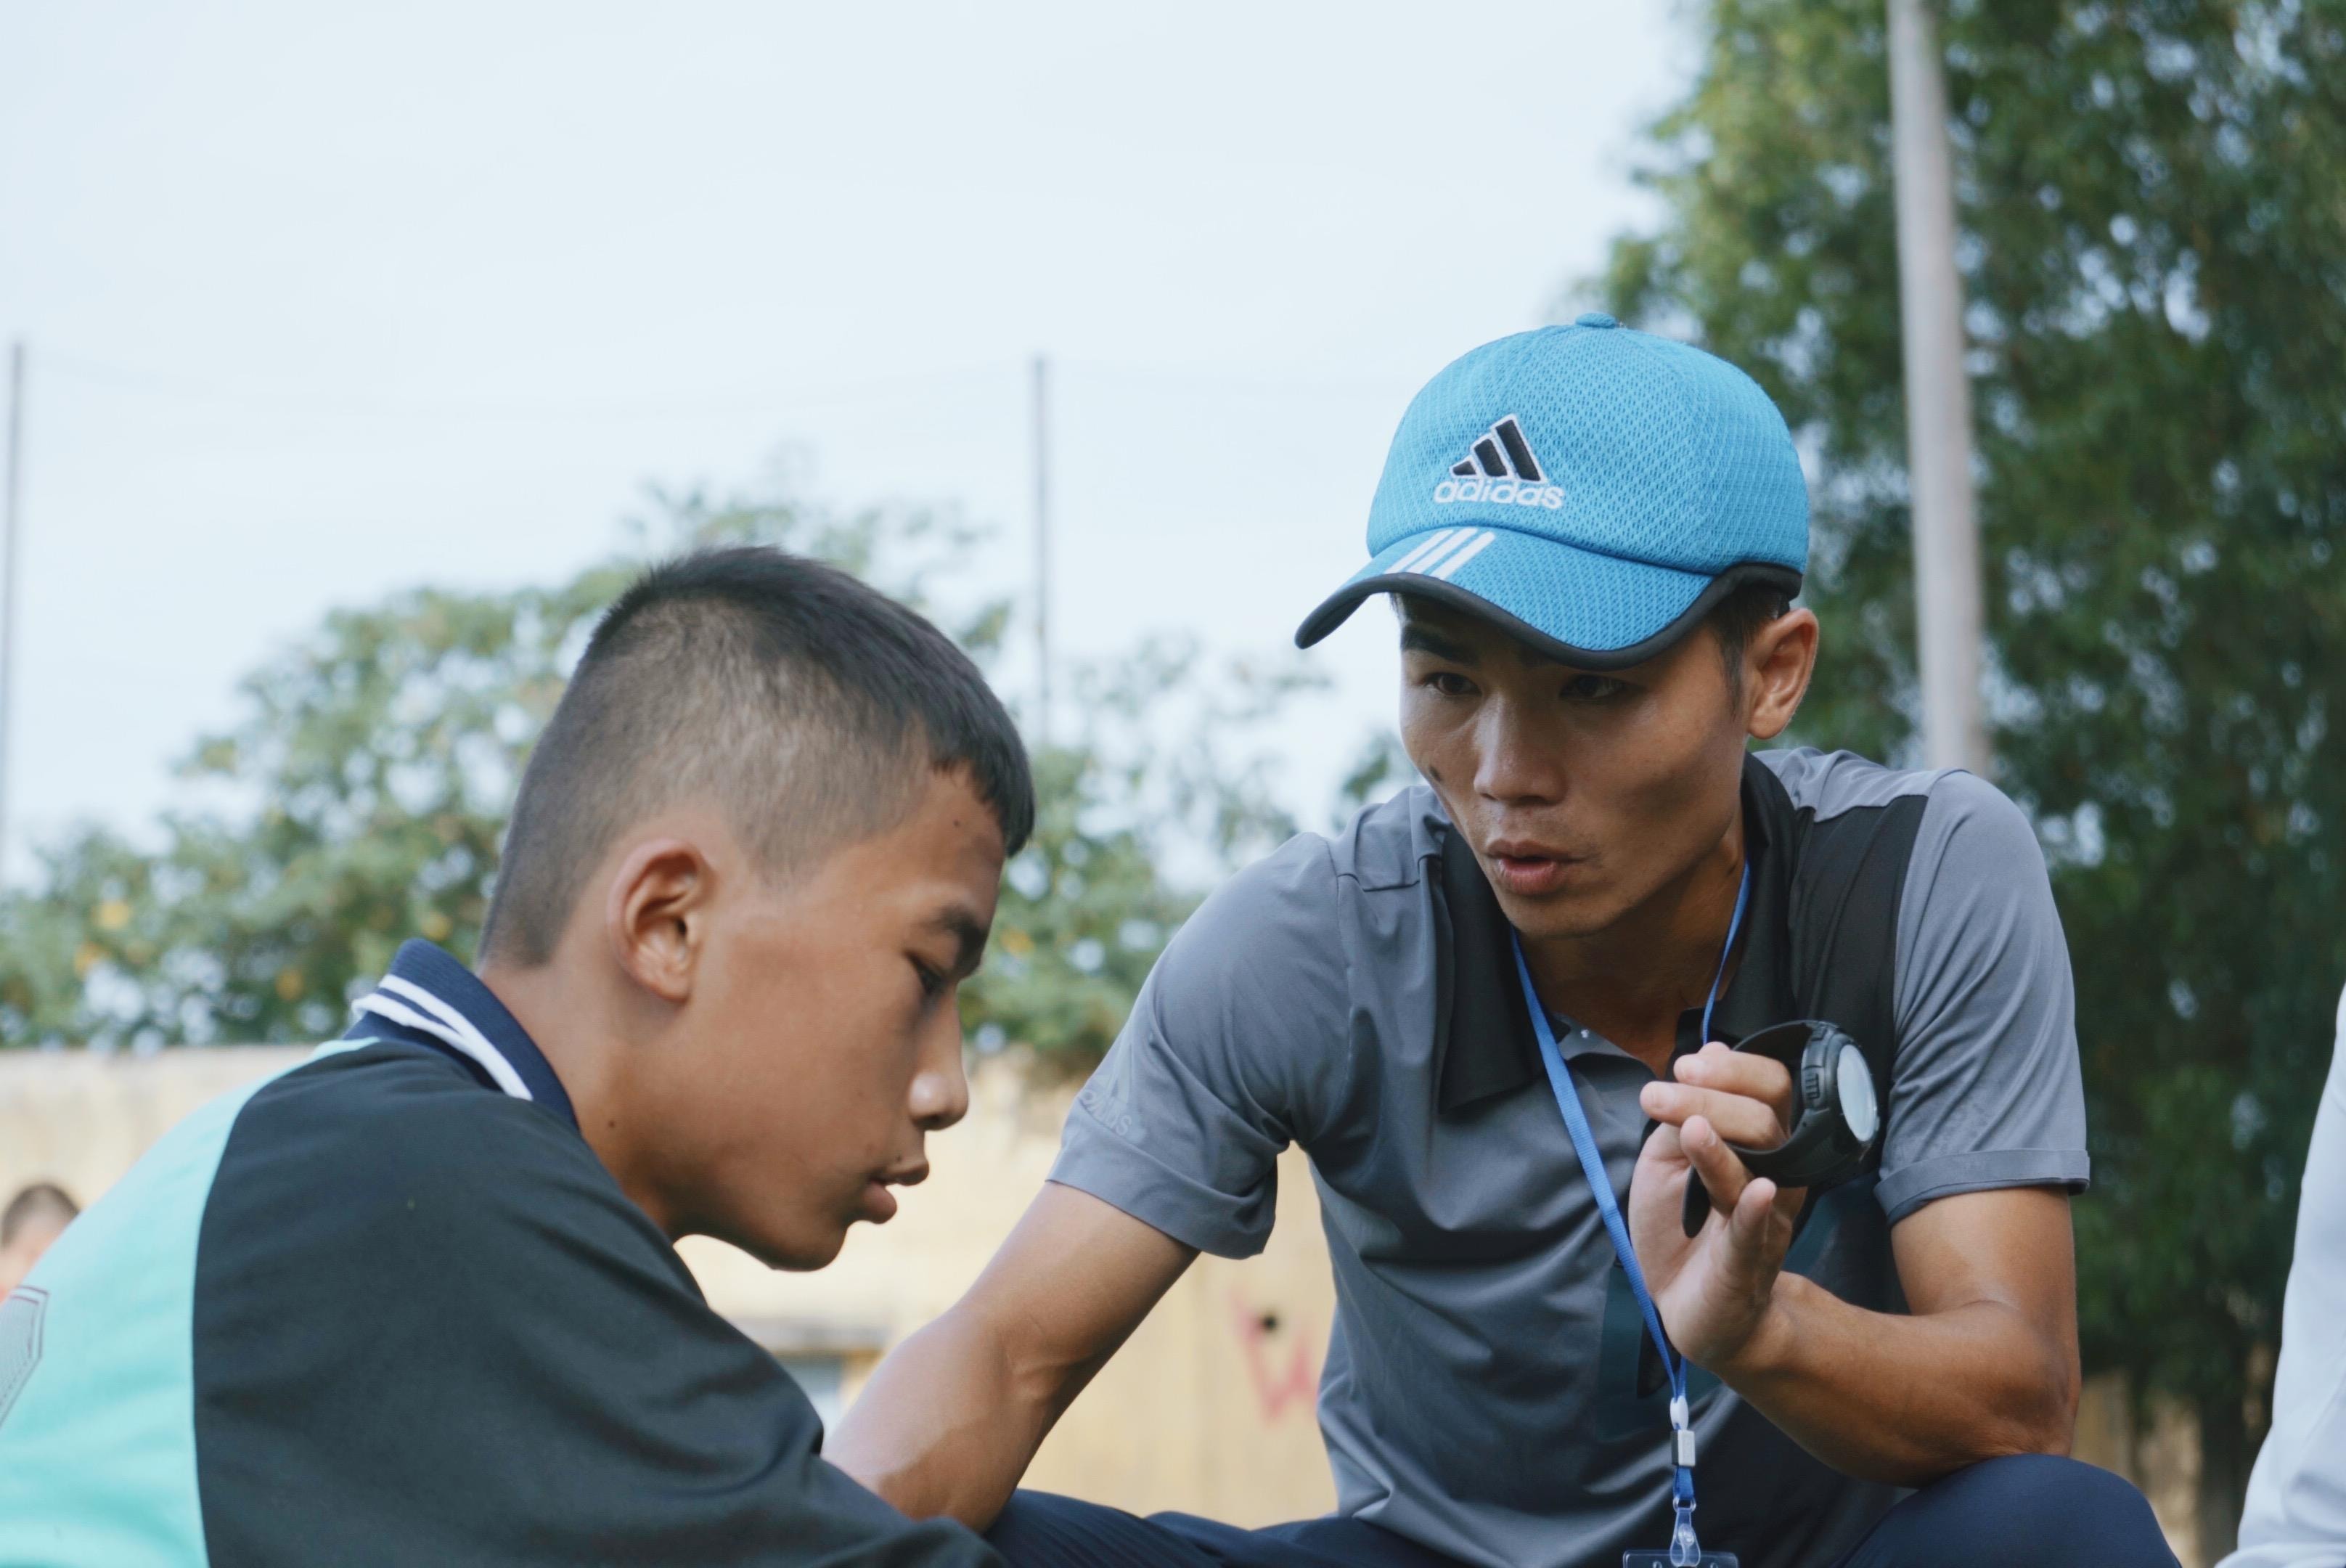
[[388, 1308]]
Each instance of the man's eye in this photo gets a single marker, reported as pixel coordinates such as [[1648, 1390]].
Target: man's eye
[[933, 981], [1449, 683], [1594, 688]]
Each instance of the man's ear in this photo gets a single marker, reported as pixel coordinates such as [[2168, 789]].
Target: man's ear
[[656, 914], [1776, 663]]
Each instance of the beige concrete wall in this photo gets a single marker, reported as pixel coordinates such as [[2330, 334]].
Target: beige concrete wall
[[1209, 1408], [81, 1119], [2157, 1448]]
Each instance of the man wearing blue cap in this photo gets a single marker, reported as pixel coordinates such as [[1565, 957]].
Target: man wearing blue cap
[[1496, 1012]]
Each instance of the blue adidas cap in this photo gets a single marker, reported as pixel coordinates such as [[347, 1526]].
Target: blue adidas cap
[[1592, 489]]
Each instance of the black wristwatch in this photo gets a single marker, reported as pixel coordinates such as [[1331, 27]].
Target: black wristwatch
[[1836, 1114]]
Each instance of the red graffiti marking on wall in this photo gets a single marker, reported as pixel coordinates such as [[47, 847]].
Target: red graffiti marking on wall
[[1274, 1390]]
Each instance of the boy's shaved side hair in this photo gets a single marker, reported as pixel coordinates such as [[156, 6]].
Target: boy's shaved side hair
[[813, 708]]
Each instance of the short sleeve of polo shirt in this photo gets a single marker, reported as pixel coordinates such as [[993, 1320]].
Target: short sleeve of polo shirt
[[430, 1328], [1985, 1090], [1235, 1048]]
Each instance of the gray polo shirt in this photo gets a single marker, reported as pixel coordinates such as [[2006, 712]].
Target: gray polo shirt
[[1488, 1389]]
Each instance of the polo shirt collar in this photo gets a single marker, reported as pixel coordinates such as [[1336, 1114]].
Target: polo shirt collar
[[429, 999], [1485, 1045]]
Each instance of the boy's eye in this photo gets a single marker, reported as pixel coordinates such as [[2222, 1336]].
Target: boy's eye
[[933, 981], [1449, 683]]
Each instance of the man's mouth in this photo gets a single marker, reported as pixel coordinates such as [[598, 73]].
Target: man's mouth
[[1529, 870]]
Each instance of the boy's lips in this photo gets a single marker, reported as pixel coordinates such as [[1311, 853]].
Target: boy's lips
[[879, 1203]]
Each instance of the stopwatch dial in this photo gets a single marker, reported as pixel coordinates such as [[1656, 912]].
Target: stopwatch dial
[[1859, 1108]]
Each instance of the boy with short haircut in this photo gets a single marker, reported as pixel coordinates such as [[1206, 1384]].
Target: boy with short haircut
[[415, 1300]]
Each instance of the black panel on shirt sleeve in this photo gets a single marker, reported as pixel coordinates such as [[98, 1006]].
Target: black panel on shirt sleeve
[[429, 1327]]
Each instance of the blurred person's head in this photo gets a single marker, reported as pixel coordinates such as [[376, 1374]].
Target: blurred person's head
[[1592, 537], [754, 854], [33, 1218]]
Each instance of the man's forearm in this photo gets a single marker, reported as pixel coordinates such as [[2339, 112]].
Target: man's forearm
[[1905, 1399], [943, 1428], [951, 1419]]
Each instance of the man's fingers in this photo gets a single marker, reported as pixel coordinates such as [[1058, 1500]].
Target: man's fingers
[[1715, 1165], [1664, 1145], [1761, 1078], [1737, 1118], [1753, 1227]]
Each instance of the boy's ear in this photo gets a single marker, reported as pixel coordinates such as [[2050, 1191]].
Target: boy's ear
[[657, 914]]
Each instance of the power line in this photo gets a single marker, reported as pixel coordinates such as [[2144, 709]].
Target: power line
[[340, 403], [296, 400]]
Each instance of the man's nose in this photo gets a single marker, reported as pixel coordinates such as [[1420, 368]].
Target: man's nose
[[940, 1088], [1512, 765]]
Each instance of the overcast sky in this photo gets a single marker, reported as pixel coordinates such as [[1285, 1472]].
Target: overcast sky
[[327, 301]]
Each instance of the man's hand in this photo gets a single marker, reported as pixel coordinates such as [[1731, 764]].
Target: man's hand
[[1715, 1290], [1985, 1363]]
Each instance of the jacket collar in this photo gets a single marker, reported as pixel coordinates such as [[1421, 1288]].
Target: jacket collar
[[1484, 1043], [429, 999]]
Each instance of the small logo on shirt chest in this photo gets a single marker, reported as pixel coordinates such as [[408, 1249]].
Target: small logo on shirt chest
[[20, 1343]]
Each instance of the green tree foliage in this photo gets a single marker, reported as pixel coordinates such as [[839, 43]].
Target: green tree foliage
[[2154, 253], [362, 798], [1169, 768], [362, 801]]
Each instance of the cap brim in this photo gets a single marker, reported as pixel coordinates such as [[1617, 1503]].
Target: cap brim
[[1578, 606]]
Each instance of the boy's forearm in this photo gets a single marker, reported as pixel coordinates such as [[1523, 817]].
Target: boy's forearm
[[941, 1429]]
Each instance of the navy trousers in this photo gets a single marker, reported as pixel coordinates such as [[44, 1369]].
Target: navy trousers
[[2005, 1512]]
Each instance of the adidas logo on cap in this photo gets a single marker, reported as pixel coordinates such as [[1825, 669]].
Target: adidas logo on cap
[[1500, 471]]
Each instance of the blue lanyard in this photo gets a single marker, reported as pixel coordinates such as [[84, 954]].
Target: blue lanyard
[[1592, 1165]]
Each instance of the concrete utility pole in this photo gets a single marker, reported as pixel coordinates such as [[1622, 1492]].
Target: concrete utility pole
[[1938, 399], [1042, 553], [9, 500]]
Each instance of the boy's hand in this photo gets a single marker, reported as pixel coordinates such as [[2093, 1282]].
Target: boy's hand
[[1714, 1289]]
